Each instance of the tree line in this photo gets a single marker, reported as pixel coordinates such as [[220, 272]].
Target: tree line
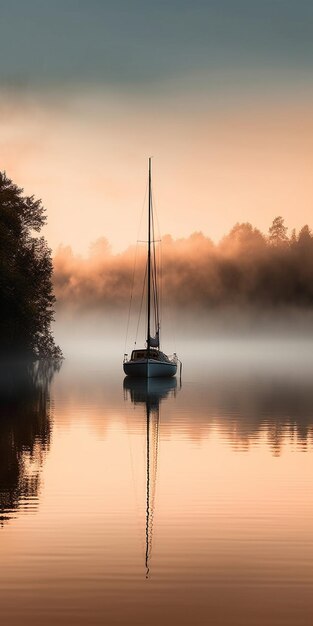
[[246, 268], [249, 267]]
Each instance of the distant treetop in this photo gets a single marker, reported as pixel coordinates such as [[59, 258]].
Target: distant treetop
[[278, 232]]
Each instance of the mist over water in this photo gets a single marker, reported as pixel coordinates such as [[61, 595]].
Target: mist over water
[[222, 335], [168, 501]]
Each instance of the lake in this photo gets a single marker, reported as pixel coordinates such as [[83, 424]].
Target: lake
[[168, 502]]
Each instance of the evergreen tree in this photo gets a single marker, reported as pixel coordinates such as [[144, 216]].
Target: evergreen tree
[[278, 232], [26, 293], [305, 238]]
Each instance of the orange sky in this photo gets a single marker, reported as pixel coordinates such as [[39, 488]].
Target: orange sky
[[215, 163]]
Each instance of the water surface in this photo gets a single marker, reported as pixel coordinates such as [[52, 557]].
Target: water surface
[[162, 503]]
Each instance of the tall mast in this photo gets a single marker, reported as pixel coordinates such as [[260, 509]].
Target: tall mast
[[149, 261]]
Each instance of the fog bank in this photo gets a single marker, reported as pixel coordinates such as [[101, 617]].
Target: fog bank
[[246, 269]]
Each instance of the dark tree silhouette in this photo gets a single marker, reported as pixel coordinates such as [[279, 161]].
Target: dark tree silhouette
[[305, 238], [278, 232], [26, 293]]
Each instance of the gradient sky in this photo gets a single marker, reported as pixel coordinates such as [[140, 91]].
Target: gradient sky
[[219, 92]]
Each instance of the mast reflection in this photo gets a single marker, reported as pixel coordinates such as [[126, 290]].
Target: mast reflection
[[150, 392]]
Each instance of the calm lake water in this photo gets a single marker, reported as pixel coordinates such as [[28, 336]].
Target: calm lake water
[[167, 503]]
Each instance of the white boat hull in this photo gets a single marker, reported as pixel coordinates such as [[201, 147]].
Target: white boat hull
[[149, 368]]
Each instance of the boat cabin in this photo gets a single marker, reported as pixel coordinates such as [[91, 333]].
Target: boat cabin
[[156, 355]]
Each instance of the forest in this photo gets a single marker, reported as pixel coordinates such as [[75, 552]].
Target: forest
[[247, 268]]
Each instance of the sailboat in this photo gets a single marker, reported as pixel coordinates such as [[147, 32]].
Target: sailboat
[[149, 361]]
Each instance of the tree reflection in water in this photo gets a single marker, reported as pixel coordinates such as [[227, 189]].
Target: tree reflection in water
[[25, 427], [262, 406]]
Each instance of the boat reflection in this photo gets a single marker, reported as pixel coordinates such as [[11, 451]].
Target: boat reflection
[[25, 429], [150, 392]]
